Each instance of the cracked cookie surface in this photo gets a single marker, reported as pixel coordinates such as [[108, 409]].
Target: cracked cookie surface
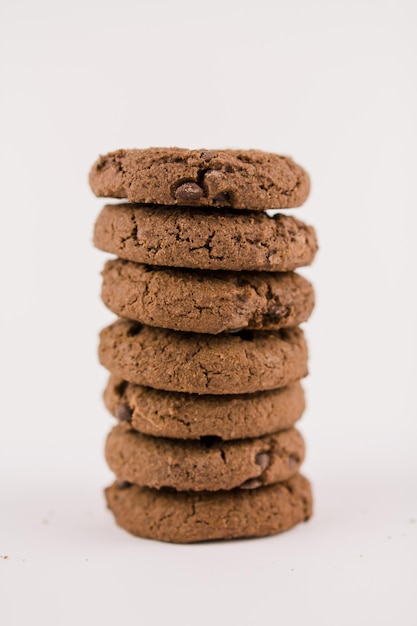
[[191, 416], [206, 302], [244, 179], [203, 465], [186, 517], [243, 362], [195, 238]]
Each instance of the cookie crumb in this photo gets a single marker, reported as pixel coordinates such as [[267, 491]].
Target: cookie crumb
[[4, 557]]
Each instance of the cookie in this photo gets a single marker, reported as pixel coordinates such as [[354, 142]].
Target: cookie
[[240, 179], [203, 465], [186, 517], [190, 416], [206, 302], [244, 362], [195, 238]]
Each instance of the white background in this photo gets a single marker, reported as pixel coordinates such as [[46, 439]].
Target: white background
[[331, 83]]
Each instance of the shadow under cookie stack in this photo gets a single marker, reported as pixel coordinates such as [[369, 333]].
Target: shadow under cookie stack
[[206, 355]]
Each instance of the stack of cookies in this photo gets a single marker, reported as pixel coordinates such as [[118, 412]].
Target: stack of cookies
[[206, 355]]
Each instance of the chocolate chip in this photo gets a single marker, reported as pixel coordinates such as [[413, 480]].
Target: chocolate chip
[[263, 460], [223, 198], [251, 483], [293, 461], [189, 192], [124, 413], [207, 155], [275, 313], [123, 484]]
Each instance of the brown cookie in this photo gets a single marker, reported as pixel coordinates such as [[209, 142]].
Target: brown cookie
[[195, 238], [241, 179], [203, 465], [185, 517], [190, 416], [206, 302], [244, 362]]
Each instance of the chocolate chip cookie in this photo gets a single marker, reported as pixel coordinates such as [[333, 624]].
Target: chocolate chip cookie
[[191, 416], [206, 302], [244, 362], [210, 240], [240, 179], [203, 465], [186, 517]]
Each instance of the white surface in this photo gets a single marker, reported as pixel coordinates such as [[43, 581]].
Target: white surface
[[331, 83], [353, 563]]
